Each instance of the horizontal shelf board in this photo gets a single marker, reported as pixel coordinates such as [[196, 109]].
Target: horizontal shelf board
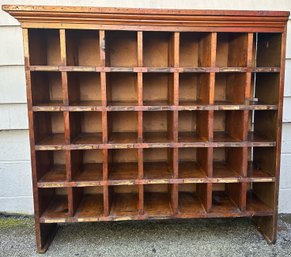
[[124, 204], [255, 205], [91, 206], [160, 171], [122, 171], [54, 141], [189, 170], [88, 138], [89, 146], [222, 170], [57, 208], [56, 174], [182, 107], [89, 172], [152, 69]]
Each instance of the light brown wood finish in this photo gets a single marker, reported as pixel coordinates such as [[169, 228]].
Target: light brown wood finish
[[139, 113]]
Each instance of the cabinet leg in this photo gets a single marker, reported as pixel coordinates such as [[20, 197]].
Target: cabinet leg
[[268, 227], [45, 233]]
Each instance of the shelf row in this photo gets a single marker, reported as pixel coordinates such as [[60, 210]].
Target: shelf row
[[164, 127], [154, 165], [154, 49], [153, 89], [154, 201]]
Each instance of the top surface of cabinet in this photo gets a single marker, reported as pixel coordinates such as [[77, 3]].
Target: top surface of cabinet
[[147, 19]]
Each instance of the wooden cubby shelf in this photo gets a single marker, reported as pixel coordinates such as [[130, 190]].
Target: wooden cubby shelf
[[153, 114]]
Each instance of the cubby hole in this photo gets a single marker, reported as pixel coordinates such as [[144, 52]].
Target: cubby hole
[[265, 88], [122, 127], [158, 89], [228, 162], [49, 128], [158, 163], [226, 198], [53, 203], [86, 127], [193, 162], [83, 48], [84, 88], [121, 48], [158, 50], [228, 126], [194, 88], [268, 49], [195, 49], [230, 88], [157, 126], [261, 198], [157, 200], [86, 165], [261, 162], [121, 89], [192, 198], [88, 202], [193, 126], [44, 47], [122, 164], [50, 166], [46, 88], [262, 125], [232, 49], [124, 200]]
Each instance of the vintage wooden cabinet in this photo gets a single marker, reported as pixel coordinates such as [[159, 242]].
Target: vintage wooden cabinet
[[153, 114]]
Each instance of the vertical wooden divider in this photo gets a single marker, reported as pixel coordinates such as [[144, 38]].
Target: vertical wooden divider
[[140, 121], [175, 117], [102, 45]]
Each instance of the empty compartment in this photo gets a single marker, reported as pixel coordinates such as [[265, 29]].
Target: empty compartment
[[261, 162], [158, 201], [158, 89], [44, 47], [123, 201], [193, 126], [268, 49], [88, 202], [122, 164], [228, 126], [83, 48], [262, 126], [192, 199], [261, 198], [158, 127], [226, 198], [50, 166], [121, 89], [46, 88], [158, 50], [53, 203], [121, 48], [195, 49], [122, 127], [230, 88], [86, 127], [232, 49], [49, 128], [265, 88], [86, 165], [158, 163], [194, 88], [84, 88], [193, 162], [228, 162]]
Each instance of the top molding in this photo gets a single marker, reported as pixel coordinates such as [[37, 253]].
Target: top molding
[[147, 19]]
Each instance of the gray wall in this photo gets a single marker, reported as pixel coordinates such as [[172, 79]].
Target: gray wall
[[15, 178]]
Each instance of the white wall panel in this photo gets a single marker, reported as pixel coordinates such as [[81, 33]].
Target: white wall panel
[[13, 116]]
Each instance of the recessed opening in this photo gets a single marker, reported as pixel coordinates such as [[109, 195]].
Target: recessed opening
[[158, 163], [121, 48], [157, 49], [195, 49], [44, 47], [122, 127], [83, 48], [232, 49], [84, 88], [86, 127]]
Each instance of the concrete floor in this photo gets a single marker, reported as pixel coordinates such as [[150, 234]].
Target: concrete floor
[[211, 237]]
